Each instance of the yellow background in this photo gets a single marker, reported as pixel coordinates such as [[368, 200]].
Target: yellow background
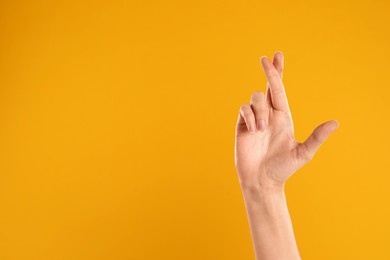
[[118, 118]]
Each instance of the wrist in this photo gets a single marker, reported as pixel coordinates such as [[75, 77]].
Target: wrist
[[266, 203], [262, 187], [259, 192]]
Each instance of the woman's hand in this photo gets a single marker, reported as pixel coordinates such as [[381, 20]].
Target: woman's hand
[[266, 152]]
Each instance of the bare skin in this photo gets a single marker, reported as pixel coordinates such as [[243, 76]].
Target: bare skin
[[266, 155]]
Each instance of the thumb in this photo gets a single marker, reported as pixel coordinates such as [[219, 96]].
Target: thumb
[[317, 137]]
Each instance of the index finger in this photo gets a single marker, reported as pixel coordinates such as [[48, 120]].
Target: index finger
[[278, 93]]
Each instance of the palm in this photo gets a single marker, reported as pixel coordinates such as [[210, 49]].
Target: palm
[[272, 155], [269, 152]]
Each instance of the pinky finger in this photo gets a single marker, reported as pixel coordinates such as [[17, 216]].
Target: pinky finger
[[247, 114]]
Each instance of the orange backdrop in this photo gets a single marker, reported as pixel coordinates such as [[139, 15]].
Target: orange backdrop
[[117, 124]]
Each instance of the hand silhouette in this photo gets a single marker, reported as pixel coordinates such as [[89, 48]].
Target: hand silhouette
[[266, 152]]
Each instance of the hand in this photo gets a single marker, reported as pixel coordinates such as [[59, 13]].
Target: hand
[[266, 152]]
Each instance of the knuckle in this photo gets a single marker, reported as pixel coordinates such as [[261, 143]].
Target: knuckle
[[244, 107], [278, 91], [273, 74], [248, 115], [245, 110], [307, 156], [257, 96], [259, 109], [304, 153], [316, 137]]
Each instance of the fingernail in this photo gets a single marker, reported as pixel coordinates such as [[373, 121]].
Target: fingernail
[[261, 125], [252, 128]]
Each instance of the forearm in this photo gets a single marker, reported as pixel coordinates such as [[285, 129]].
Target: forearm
[[270, 224]]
